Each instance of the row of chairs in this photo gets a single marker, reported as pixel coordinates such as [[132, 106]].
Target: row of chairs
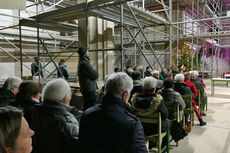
[[156, 119]]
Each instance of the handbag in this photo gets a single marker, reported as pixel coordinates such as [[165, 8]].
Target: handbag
[[178, 132]]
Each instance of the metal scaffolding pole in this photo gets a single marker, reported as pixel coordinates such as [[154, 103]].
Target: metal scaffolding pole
[[146, 39], [20, 45], [170, 35], [197, 33], [192, 33], [177, 32], [87, 25], [139, 47], [38, 44], [135, 47], [48, 53], [122, 33]]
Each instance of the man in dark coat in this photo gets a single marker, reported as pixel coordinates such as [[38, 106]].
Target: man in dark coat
[[148, 71], [108, 127], [9, 90], [87, 78], [200, 87], [137, 84], [56, 128]]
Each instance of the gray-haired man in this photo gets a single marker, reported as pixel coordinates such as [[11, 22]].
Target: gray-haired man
[[108, 127]]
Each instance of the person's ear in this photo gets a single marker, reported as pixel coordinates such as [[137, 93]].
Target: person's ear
[[124, 95]]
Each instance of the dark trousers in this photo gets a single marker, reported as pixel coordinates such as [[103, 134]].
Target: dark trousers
[[89, 99]]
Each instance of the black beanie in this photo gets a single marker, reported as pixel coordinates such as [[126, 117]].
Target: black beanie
[[136, 75], [82, 50]]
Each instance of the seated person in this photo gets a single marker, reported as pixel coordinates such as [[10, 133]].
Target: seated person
[[29, 95], [108, 127], [199, 87], [56, 128], [193, 89], [9, 90], [169, 94], [137, 84], [147, 103], [15, 134], [156, 75]]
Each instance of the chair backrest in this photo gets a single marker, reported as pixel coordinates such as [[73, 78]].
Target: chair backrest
[[154, 119], [198, 98], [173, 109], [187, 99]]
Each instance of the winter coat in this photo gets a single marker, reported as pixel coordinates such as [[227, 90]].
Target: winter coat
[[183, 89], [56, 128], [147, 74], [87, 75], [200, 87], [137, 87], [170, 94], [35, 68], [109, 128], [6, 97], [146, 105], [64, 71], [27, 105], [191, 86]]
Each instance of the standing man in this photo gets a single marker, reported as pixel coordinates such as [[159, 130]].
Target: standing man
[[109, 127], [35, 68], [87, 78]]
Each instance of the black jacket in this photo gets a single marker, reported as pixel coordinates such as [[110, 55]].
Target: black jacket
[[56, 128], [27, 105], [147, 74], [199, 86], [6, 97], [87, 75], [109, 128], [137, 88], [183, 89]]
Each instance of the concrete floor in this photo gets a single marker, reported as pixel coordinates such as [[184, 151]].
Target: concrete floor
[[215, 136]]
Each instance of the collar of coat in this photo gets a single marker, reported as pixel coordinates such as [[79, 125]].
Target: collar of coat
[[65, 107], [137, 83], [85, 58], [115, 101]]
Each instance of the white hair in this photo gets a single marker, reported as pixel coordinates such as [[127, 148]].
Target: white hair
[[149, 83], [155, 73], [12, 82], [197, 73], [179, 78], [194, 73], [57, 90], [117, 84]]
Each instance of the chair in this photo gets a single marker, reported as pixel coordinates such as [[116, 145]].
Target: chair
[[156, 119], [173, 109], [206, 103], [198, 101], [188, 101], [201, 104]]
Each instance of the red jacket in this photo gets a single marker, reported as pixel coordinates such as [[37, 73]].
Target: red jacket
[[191, 86]]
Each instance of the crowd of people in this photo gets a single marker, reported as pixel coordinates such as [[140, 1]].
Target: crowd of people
[[40, 117]]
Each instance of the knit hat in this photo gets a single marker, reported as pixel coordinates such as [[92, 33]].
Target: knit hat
[[136, 75], [82, 50]]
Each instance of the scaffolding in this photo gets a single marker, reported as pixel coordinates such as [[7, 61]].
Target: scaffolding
[[147, 32]]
